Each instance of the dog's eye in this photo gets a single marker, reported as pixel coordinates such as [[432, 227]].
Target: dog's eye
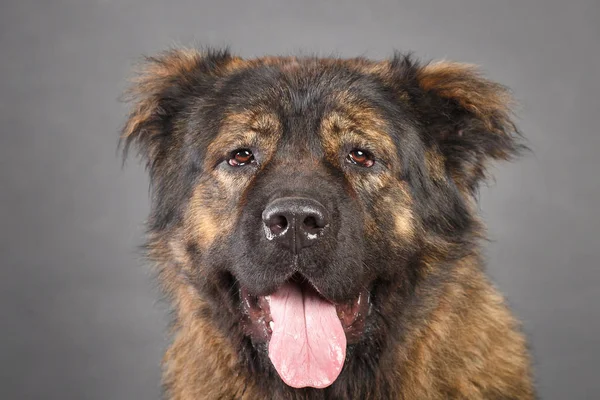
[[241, 157], [361, 158]]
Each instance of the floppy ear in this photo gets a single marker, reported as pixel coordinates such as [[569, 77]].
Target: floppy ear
[[469, 118], [168, 86], [160, 91]]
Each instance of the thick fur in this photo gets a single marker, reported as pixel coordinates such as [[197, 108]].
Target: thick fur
[[406, 229]]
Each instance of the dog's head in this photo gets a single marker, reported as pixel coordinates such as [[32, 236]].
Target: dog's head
[[304, 198]]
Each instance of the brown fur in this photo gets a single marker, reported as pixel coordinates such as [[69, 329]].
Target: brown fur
[[469, 347], [463, 342]]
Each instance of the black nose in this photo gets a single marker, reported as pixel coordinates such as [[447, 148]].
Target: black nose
[[295, 222]]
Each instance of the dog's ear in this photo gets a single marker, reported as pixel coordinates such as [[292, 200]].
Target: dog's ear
[[468, 118], [162, 88]]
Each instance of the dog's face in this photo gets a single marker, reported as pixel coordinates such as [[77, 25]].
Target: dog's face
[[303, 198]]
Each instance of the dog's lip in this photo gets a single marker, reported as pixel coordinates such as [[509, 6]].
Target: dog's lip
[[257, 310], [352, 314]]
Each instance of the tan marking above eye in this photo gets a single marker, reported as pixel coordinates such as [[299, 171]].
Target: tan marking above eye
[[338, 131], [244, 130]]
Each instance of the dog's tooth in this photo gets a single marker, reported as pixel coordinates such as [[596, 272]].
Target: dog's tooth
[[272, 325]]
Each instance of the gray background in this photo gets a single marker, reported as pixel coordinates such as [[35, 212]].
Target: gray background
[[80, 317]]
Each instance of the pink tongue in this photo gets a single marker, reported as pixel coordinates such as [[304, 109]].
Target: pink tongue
[[308, 345]]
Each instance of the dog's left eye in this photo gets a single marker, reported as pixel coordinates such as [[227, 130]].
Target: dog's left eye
[[361, 158], [241, 157]]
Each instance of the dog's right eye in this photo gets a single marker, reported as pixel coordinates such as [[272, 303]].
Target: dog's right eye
[[241, 157]]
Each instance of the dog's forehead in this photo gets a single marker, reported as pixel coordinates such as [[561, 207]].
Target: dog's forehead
[[298, 86], [292, 95]]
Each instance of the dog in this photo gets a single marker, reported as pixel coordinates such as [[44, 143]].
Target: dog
[[314, 224]]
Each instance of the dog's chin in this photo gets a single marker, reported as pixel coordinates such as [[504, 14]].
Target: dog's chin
[[258, 321]]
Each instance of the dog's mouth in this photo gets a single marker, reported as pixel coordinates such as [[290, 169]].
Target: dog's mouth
[[307, 333]]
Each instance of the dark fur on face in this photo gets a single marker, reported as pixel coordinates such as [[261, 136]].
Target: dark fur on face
[[402, 230]]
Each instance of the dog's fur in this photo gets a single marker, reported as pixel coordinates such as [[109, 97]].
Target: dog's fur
[[437, 329]]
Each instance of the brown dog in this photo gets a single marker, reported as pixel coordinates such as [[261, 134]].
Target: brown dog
[[314, 223]]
